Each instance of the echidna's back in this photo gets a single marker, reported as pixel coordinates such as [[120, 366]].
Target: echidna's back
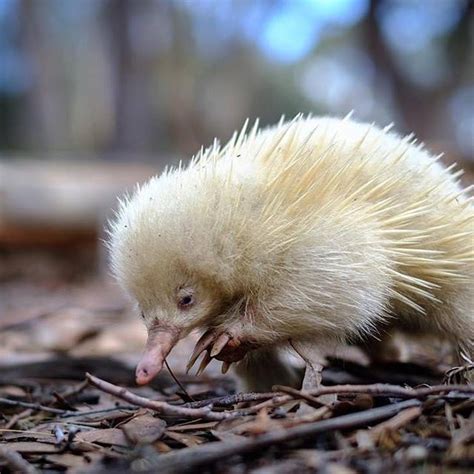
[[346, 144], [330, 164]]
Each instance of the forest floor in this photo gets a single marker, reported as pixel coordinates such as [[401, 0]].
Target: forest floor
[[56, 327]]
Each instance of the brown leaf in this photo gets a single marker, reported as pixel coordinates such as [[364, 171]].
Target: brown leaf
[[32, 447], [186, 439], [108, 436], [144, 429], [74, 461]]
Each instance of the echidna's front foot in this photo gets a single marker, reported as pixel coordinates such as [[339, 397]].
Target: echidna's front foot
[[225, 346]]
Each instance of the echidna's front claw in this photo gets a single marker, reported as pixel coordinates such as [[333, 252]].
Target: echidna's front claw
[[204, 363], [225, 367], [220, 343], [203, 344]]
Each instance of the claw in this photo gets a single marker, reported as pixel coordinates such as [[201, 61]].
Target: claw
[[204, 363], [220, 343], [225, 367], [203, 343]]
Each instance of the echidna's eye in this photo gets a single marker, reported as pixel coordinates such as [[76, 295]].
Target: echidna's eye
[[186, 301]]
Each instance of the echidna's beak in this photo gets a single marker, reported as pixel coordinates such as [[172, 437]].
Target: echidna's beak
[[161, 339]]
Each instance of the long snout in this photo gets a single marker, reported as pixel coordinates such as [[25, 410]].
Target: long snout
[[161, 339]]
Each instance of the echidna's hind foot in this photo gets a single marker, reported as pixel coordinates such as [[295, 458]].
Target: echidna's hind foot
[[263, 368]]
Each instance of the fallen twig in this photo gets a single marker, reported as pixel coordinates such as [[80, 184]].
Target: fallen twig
[[15, 418], [372, 389], [400, 420], [191, 458], [98, 412], [33, 406], [230, 400], [180, 385], [458, 374], [271, 403], [392, 390], [160, 407], [300, 394]]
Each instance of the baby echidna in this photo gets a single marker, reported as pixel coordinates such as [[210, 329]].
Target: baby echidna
[[315, 230]]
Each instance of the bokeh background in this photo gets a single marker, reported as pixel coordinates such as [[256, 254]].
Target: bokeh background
[[136, 79], [96, 95]]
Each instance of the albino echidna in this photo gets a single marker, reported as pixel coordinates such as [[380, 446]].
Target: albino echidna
[[315, 230]]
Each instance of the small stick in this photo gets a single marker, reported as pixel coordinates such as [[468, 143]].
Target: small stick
[[372, 389], [313, 401], [392, 390], [229, 400], [26, 432], [33, 406], [178, 382], [317, 415], [160, 407], [19, 416], [398, 421], [187, 459], [271, 403], [98, 412], [16, 462]]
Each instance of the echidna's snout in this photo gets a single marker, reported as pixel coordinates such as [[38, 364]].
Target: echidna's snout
[[161, 339]]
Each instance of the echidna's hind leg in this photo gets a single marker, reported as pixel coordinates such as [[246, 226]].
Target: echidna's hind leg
[[263, 368], [314, 362]]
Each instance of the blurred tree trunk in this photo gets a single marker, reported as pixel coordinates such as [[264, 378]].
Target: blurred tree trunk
[[185, 125], [419, 107], [41, 124], [131, 77]]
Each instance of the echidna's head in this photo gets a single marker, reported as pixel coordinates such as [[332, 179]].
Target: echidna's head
[[171, 251]]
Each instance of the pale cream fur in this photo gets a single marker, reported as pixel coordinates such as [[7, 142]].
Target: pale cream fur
[[318, 230]]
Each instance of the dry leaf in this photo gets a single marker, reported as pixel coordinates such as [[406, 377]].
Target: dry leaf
[[108, 436], [74, 461], [144, 429], [186, 439], [32, 447]]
